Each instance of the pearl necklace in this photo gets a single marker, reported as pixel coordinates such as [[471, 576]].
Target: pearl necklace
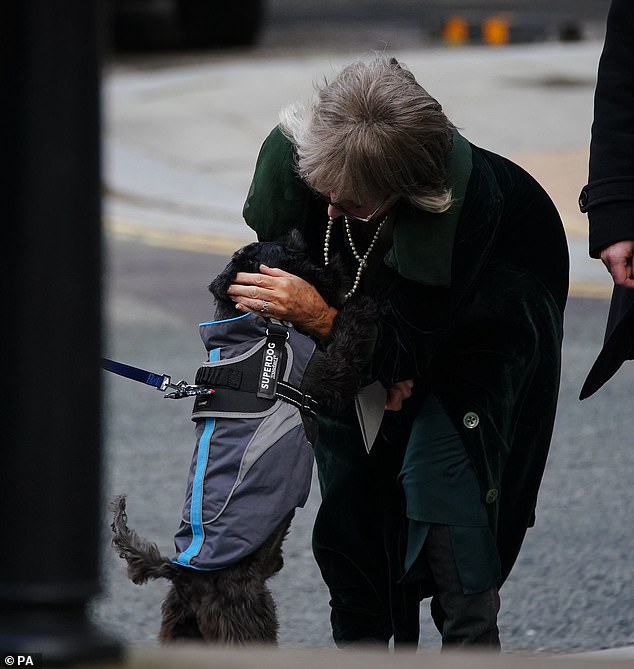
[[362, 260]]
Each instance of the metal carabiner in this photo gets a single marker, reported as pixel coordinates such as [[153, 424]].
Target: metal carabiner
[[183, 389]]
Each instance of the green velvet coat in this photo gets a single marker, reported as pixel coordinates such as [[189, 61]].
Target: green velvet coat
[[471, 306]]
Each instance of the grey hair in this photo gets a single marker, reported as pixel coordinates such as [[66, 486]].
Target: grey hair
[[373, 131]]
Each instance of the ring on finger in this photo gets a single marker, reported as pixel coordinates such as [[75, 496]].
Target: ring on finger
[[265, 307]]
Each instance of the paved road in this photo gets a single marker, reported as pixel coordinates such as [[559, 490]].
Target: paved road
[[181, 136], [572, 588]]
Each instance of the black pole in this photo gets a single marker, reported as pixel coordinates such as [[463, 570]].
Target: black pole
[[50, 467]]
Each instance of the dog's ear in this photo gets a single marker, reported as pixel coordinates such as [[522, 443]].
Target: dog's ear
[[244, 259], [218, 287], [250, 257]]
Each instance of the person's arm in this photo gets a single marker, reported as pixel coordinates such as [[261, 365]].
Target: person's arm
[[609, 196], [277, 200]]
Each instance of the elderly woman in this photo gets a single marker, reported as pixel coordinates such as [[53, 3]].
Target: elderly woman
[[466, 256]]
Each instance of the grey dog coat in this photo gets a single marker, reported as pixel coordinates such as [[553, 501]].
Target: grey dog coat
[[253, 461]]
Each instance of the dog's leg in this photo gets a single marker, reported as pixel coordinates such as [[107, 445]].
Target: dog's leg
[[239, 610], [269, 559], [178, 621], [234, 606], [245, 608]]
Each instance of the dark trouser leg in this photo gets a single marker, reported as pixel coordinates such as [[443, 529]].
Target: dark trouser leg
[[449, 540], [356, 539], [463, 620]]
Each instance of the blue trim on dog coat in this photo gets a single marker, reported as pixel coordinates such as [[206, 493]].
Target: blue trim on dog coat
[[198, 532], [251, 467]]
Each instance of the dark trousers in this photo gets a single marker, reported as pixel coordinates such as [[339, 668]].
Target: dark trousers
[[359, 538], [463, 620], [359, 543]]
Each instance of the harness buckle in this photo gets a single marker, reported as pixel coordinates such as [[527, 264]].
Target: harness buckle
[[183, 389], [278, 328], [308, 405]]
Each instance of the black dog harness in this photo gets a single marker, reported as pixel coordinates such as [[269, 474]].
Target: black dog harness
[[250, 382], [252, 464]]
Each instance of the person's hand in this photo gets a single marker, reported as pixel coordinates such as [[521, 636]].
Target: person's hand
[[287, 297], [618, 259], [397, 393]]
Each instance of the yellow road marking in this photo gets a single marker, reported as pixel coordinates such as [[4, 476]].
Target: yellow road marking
[[194, 242], [590, 289]]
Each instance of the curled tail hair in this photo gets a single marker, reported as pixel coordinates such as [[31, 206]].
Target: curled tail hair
[[143, 557]]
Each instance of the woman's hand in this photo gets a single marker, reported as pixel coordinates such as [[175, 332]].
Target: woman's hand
[[397, 394], [618, 258], [287, 297]]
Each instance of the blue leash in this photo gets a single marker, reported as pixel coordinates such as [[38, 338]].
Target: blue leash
[[159, 381]]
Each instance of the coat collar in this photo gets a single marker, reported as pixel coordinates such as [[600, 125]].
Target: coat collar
[[422, 243]]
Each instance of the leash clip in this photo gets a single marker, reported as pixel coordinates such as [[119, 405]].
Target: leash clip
[[159, 381], [183, 389]]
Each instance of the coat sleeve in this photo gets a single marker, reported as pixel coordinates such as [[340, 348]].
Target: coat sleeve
[[608, 197]]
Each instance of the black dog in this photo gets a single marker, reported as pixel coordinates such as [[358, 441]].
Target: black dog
[[232, 604]]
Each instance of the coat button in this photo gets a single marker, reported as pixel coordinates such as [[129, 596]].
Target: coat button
[[471, 420], [491, 496], [583, 200]]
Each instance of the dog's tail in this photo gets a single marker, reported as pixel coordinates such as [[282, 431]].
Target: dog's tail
[[143, 557]]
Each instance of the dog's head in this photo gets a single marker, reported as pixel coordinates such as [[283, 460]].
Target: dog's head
[[289, 255]]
